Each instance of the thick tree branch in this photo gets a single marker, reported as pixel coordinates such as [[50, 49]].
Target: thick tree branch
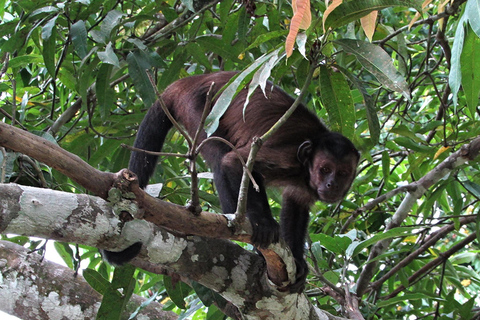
[[238, 275], [26, 290]]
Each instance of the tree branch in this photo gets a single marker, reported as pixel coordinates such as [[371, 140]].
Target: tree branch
[[466, 153], [26, 290]]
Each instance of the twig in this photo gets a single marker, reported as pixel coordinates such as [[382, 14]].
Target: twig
[[466, 153], [257, 143], [194, 203], [153, 153], [167, 112], [433, 264], [3, 167], [429, 242]]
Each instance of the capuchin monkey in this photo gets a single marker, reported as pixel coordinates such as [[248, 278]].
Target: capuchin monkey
[[309, 161]]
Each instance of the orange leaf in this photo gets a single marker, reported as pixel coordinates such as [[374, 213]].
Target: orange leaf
[[418, 14], [301, 19], [440, 151], [335, 3], [368, 24]]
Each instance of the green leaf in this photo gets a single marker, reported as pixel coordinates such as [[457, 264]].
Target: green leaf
[[412, 145], [212, 44], [198, 54], [96, 280], [472, 12], [49, 37], [78, 33], [469, 64], [385, 165], [336, 244], [472, 187], [233, 87], [109, 56], [105, 94], [138, 63], [111, 21], [371, 112], [350, 11], [177, 292], [455, 76], [266, 37], [118, 293], [337, 99], [393, 233], [65, 252], [405, 297], [378, 63], [207, 295]]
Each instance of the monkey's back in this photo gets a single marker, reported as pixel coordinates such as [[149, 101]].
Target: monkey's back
[[186, 99]]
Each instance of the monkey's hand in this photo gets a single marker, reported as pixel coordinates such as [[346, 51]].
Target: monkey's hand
[[302, 271], [265, 231]]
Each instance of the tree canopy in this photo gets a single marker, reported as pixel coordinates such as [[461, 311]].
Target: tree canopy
[[397, 77]]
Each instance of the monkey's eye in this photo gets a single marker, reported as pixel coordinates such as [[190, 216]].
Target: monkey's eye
[[325, 170], [343, 173]]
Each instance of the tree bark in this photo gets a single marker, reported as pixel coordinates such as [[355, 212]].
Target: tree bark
[[238, 275], [35, 288]]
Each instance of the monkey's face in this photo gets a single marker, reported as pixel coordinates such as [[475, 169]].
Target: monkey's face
[[331, 177]]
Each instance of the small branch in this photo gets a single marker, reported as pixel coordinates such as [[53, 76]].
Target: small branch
[[3, 166], [466, 153], [51, 154], [167, 112], [257, 143], [429, 242], [182, 20], [228, 143], [194, 204], [153, 153], [433, 264]]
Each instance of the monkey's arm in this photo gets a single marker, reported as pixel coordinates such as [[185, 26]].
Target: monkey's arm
[[294, 223]]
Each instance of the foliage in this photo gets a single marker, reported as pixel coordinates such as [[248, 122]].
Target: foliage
[[76, 73]]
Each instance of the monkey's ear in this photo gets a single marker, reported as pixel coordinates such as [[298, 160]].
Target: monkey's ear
[[304, 152]]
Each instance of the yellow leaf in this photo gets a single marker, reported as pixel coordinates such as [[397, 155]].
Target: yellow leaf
[[440, 151], [368, 24], [301, 19], [418, 15], [330, 8], [441, 9], [466, 282]]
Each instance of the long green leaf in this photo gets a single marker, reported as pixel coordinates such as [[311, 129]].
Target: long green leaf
[[138, 63], [231, 90], [378, 63], [177, 291], [337, 99], [455, 76], [96, 281], [117, 294], [48, 52], [469, 66], [393, 233], [78, 33], [105, 94], [350, 11]]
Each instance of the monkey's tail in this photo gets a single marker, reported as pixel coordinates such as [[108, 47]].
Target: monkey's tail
[[150, 137]]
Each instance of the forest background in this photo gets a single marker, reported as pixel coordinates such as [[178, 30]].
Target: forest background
[[399, 78]]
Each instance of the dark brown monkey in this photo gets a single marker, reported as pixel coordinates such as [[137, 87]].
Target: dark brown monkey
[[309, 161]]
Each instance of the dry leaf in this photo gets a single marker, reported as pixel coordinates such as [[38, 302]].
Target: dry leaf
[[335, 3], [368, 24], [302, 18]]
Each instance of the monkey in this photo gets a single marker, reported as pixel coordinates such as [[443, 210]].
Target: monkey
[[304, 157]]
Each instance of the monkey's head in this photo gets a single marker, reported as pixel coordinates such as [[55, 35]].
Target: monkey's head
[[331, 161]]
